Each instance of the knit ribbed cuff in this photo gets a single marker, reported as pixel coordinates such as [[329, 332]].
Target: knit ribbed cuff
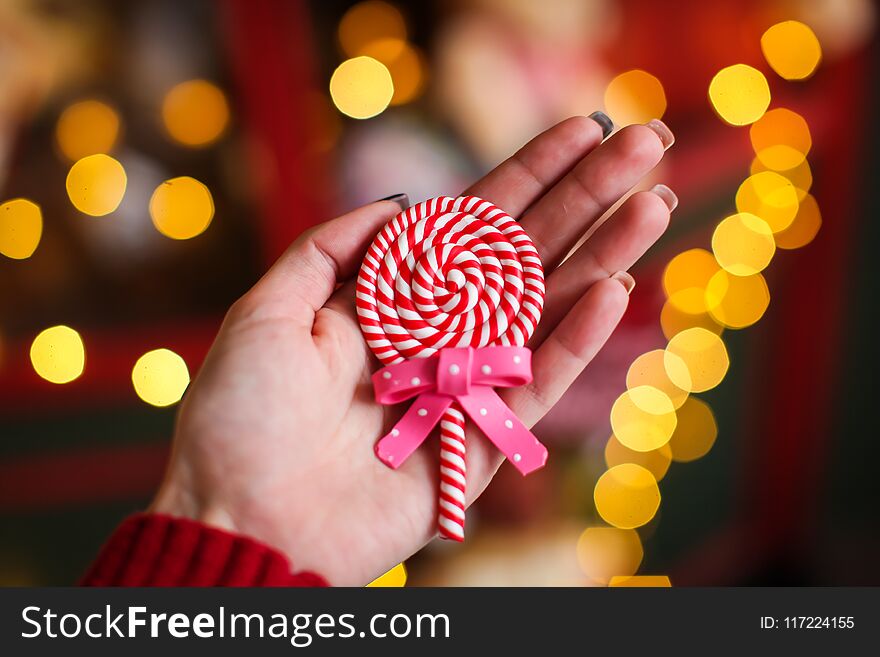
[[150, 549]]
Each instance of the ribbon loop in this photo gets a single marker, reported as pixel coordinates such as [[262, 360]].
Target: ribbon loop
[[467, 376]]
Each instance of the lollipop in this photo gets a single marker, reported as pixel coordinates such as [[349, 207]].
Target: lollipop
[[448, 294]]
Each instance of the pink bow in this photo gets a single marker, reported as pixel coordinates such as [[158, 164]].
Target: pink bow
[[467, 376]]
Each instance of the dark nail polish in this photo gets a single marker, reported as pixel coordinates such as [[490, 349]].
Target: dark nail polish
[[604, 122], [401, 199]]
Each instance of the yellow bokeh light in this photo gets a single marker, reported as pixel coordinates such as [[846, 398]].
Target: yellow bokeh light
[[627, 496], [673, 320], [385, 50], [160, 377], [704, 354], [792, 50], [651, 400], [649, 370], [96, 184], [743, 244], [643, 418], [696, 431], [685, 279], [361, 87], [635, 97], [803, 229], [86, 128], [800, 176], [737, 301], [740, 94], [394, 578], [640, 581], [195, 113], [368, 22], [405, 63], [770, 196], [606, 552], [58, 354], [21, 226], [781, 139], [181, 208], [656, 460]]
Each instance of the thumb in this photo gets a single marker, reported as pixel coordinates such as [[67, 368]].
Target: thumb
[[323, 257]]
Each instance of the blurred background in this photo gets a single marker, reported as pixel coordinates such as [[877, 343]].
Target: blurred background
[[156, 156]]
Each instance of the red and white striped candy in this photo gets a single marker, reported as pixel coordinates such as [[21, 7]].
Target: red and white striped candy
[[449, 272]]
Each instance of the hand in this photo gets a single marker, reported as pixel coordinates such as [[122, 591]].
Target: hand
[[275, 436]]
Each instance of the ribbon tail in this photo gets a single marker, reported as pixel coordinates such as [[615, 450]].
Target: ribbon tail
[[412, 429], [504, 429]]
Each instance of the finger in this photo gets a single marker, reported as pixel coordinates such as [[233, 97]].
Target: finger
[[615, 246], [555, 365], [521, 180], [305, 276], [564, 214], [568, 349]]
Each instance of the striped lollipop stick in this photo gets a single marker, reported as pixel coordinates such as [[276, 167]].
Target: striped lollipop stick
[[453, 474], [448, 294]]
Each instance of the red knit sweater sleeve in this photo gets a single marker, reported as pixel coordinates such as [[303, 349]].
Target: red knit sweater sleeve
[[150, 549]]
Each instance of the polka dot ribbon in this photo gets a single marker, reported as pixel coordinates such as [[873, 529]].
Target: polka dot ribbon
[[448, 294]]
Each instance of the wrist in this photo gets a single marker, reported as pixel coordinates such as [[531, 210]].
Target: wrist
[[176, 497]]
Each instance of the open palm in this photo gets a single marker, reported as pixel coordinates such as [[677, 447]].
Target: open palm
[[275, 437]]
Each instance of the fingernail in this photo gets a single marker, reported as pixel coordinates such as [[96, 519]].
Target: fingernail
[[401, 199], [668, 196], [624, 279], [604, 122], [662, 131]]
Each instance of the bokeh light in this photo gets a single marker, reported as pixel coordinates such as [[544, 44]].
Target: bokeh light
[[740, 94], [655, 460], [606, 552], [634, 97], [640, 581], [21, 226], [770, 196], [643, 418], [405, 63], [792, 50], [705, 356], [96, 184], [686, 277], [367, 22], [58, 354], [394, 578], [800, 176], [627, 496], [695, 433], [361, 87], [160, 377], [743, 244], [803, 229], [737, 301], [195, 113], [649, 370], [674, 320], [781, 139], [181, 208], [85, 128]]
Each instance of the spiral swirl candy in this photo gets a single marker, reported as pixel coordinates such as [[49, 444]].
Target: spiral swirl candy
[[449, 273]]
